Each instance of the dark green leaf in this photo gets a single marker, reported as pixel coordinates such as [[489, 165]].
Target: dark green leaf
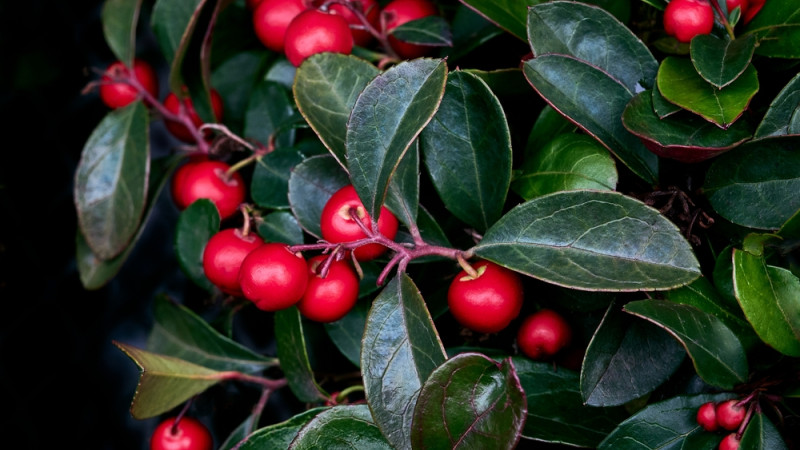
[[467, 150], [269, 110], [326, 87], [770, 299], [778, 118], [470, 401], [777, 26], [346, 333], [270, 185], [504, 82], [311, 184], [594, 101], [237, 80], [386, 118], [403, 195], [431, 30], [571, 238], [293, 356], [344, 426], [756, 184], [680, 83], [761, 434], [716, 352], [280, 435], [556, 412], [400, 349], [790, 230], [111, 180], [280, 226], [661, 106], [591, 34], [510, 15], [549, 124], [570, 161], [120, 18], [721, 61], [627, 359], [240, 433], [173, 23], [196, 224]]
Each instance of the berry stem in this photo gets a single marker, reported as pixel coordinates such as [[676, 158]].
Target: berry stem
[[723, 18]]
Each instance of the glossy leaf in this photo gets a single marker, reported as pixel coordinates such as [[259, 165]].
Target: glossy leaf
[[311, 184], [509, 15], [661, 106], [716, 352], [570, 161], [345, 426], [777, 26], [626, 359], [756, 184], [680, 83], [761, 434], [293, 355], [593, 35], [237, 80], [783, 108], [325, 89], [111, 180], [400, 349], [670, 423], [431, 31], [120, 18], [173, 23], [556, 412], [196, 225], [770, 299], [280, 435], [549, 124], [346, 333], [571, 239], [467, 150], [280, 226], [166, 382], [403, 195], [470, 401], [386, 118], [269, 109], [721, 61], [269, 187], [594, 101]]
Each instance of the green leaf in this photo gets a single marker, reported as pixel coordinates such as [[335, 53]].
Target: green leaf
[[280, 435], [166, 382], [280, 226], [570, 161], [680, 83], [756, 184], [269, 109], [386, 118], [403, 195], [626, 359], [778, 118], [761, 434], [716, 352], [431, 30], [509, 15], [120, 18], [311, 184], [467, 150], [470, 401], [777, 26], [238, 80], [344, 426], [346, 333], [196, 225], [173, 22], [180, 333], [325, 88], [293, 356], [571, 238], [661, 106], [269, 187], [111, 180], [670, 423], [556, 412], [400, 349], [594, 101], [721, 61], [591, 34], [549, 124], [770, 299]]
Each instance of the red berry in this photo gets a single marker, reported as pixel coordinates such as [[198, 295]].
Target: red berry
[[371, 10], [730, 415], [752, 9], [190, 434], [116, 94], [685, 19], [209, 179], [331, 298], [223, 256], [177, 129], [399, 12], [733, 4], [314, 31], [338, 225], [707, 416], [729, 442], [252, 4], [543, 334], [272, 17], [273, 277], [488, 302]]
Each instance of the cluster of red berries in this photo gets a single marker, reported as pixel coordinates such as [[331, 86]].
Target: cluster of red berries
[[685, 19], [185, 434], [726, 415], [301, 28]]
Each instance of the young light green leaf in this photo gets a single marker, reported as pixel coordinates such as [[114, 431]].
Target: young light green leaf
[[721, 61], [348, 426], [173, 23], [509, 15], [777, 120], [293, 356], [111, 180], [386, 118], [311, 184], [120, 18], [716, 352], [279, 435], [467, 150], [761, 434], [470, 401], [400, 349], [269, 187], [571, 238], [196, 224]]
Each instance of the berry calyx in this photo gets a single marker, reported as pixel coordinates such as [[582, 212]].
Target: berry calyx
[[271, 18], [314, 31], [543, 334], [370, 10], [487, 302], [707, 416], [116, 94], [208, 179], [273, 277], [329, 298], [729, 442], [399, 12], [187, 434], [223, 256], [730, 414], [338, 226], [685, 19], [177, 129]]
